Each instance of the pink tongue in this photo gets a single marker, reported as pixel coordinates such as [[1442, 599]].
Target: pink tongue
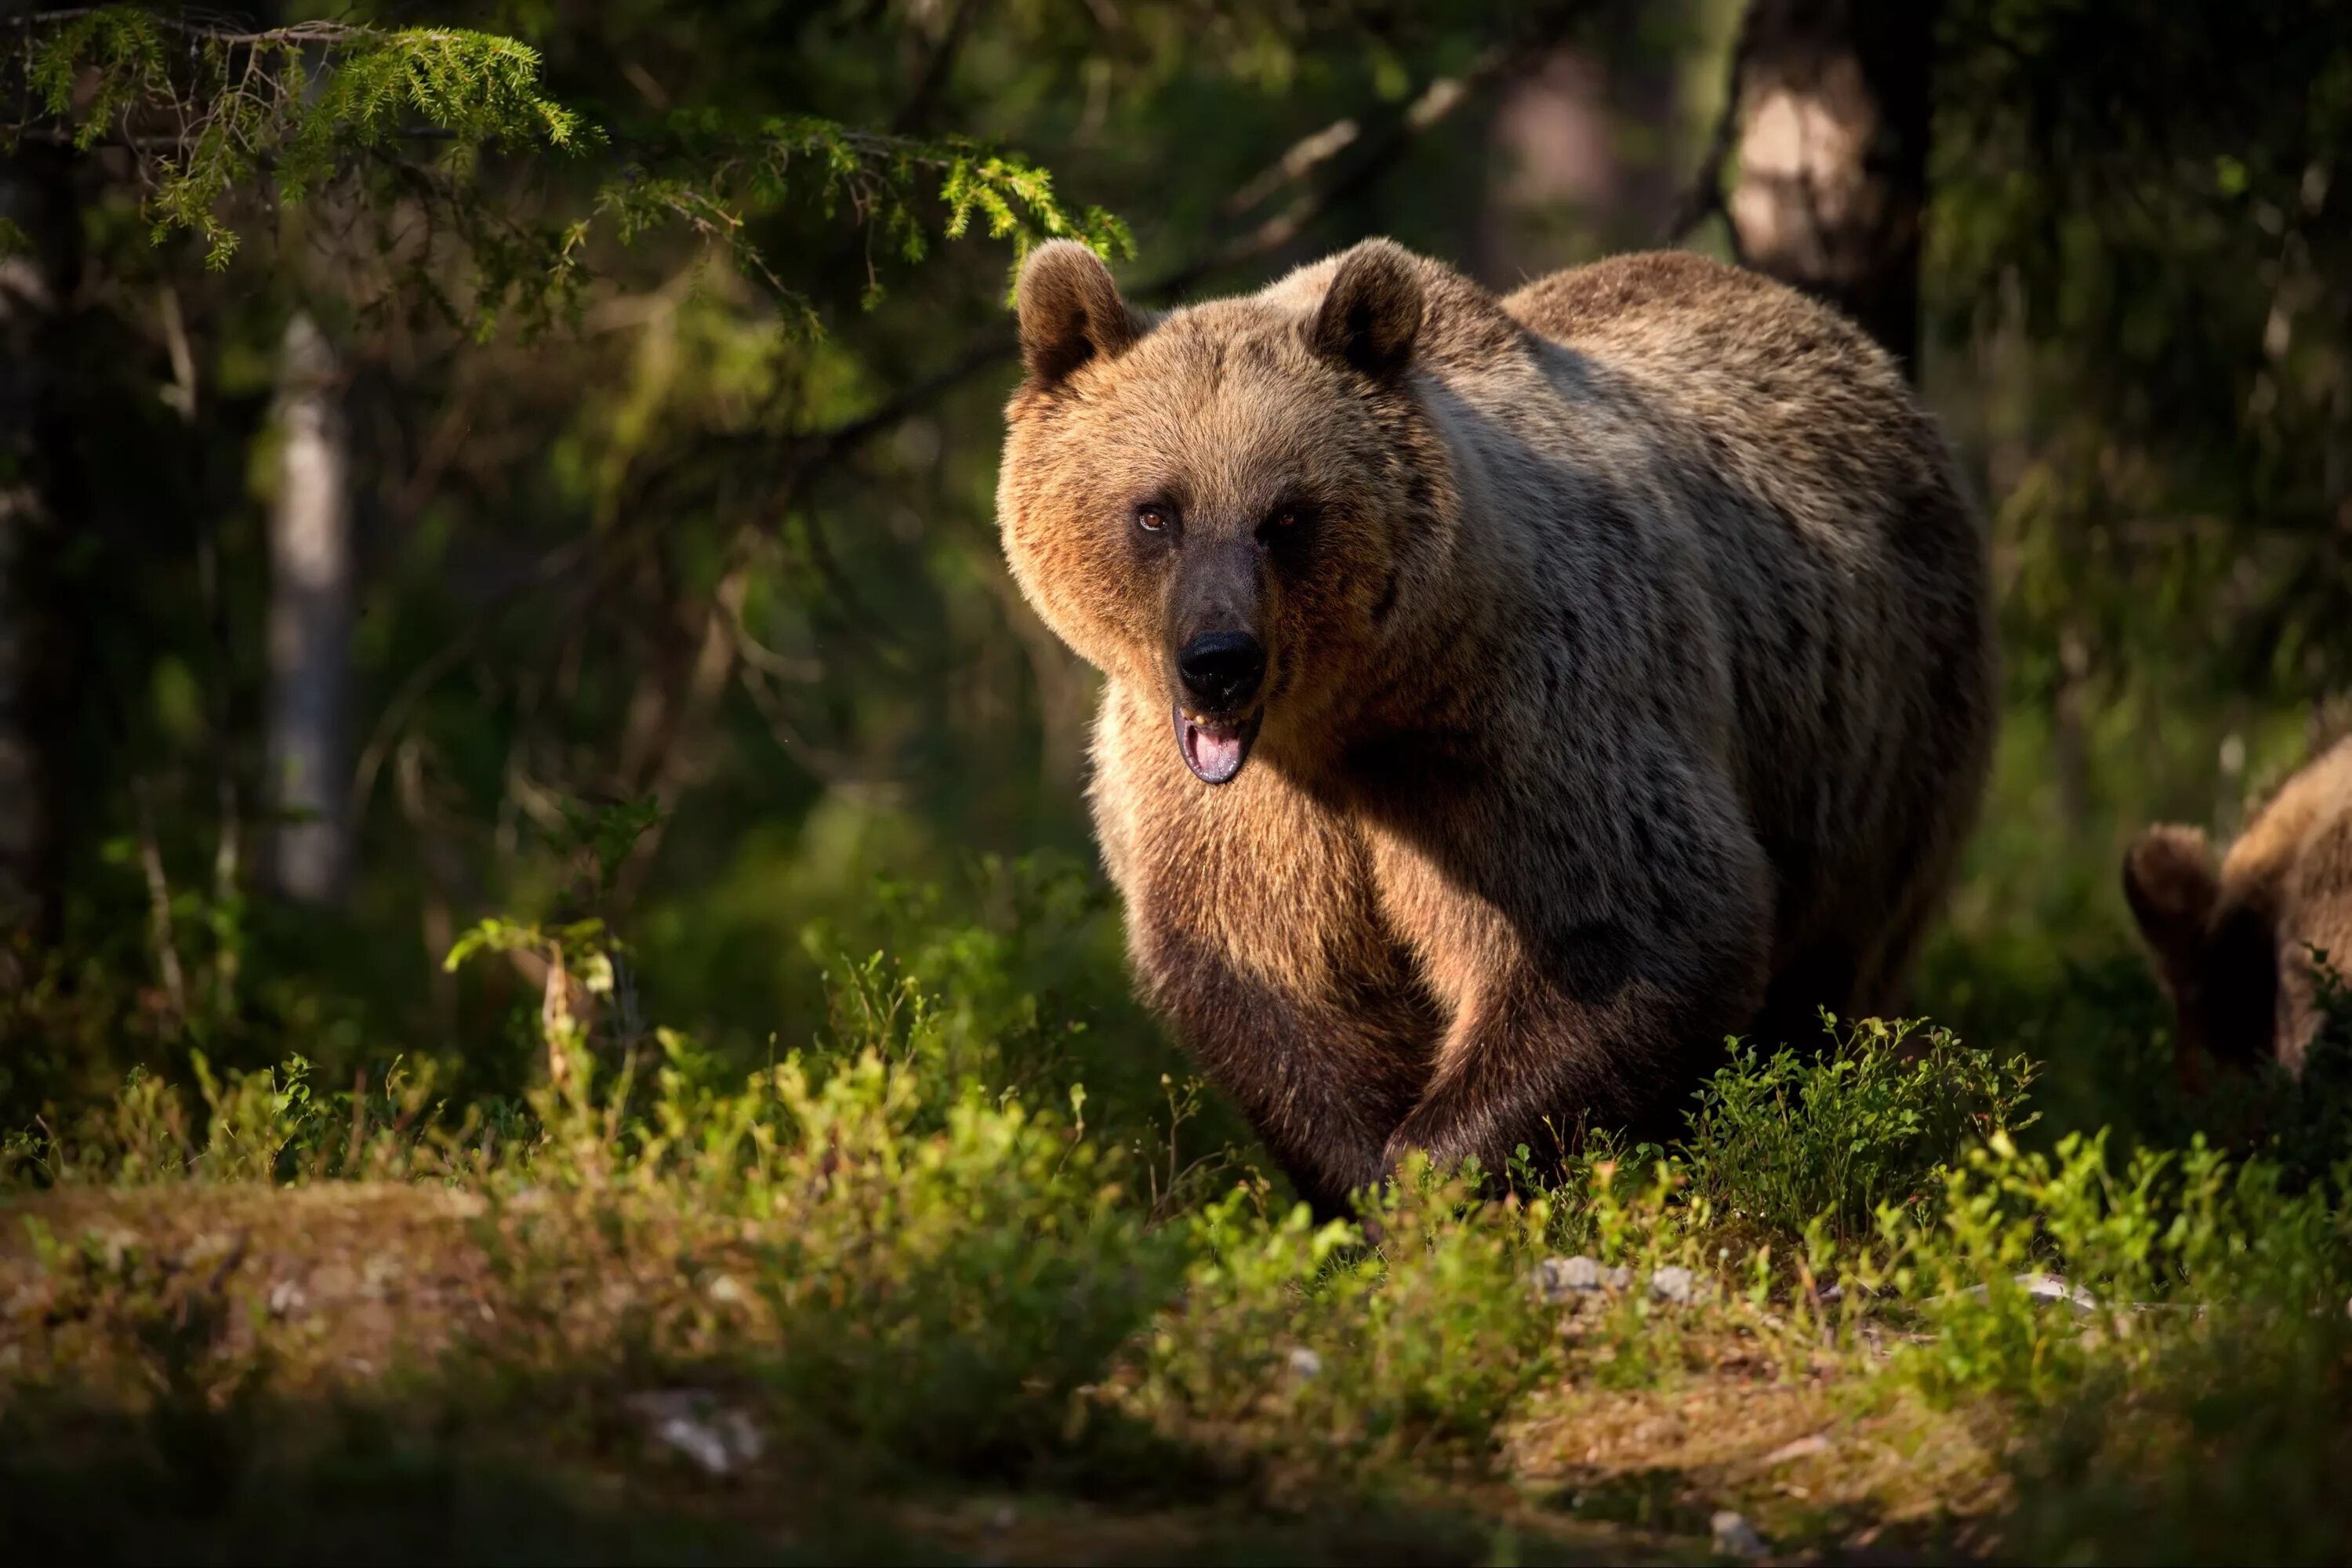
[[1215, 757]]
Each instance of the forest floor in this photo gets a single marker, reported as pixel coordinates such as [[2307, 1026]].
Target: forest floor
[[874, 1307], [311, 1372]]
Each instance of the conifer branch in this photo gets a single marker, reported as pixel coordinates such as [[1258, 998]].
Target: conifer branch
[[216, 118]]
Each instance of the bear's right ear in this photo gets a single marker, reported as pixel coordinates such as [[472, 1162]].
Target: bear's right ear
[[2171, 884], [1070, 311], [1372, 313]]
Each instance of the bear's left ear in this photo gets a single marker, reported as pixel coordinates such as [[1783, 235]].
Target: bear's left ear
[[1372, 313], [1070, 311], [2172, 886]]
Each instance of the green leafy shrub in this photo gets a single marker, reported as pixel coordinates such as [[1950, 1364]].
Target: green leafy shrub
[[911, 1268], [1786, 1139], [940, 1298], [2146, 1246], [1331, 1356]]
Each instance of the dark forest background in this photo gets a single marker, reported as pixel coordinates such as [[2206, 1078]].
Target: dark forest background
[[442, 481]]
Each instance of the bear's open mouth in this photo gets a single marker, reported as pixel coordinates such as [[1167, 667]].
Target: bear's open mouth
[[1213, 749]]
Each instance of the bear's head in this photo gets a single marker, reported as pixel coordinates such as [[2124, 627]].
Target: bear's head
[[2234, 937], [1214, 507], [2218, 961]]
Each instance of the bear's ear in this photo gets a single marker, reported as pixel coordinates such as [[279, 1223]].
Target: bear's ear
[[1371, 312], [1070, 311], [2171, 884]]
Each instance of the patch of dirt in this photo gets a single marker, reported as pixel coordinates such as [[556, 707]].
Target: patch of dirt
[[341, 1279], [1808, 1460]]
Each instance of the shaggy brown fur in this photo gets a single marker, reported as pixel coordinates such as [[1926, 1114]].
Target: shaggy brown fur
[[1628, 683], [2232, 942]]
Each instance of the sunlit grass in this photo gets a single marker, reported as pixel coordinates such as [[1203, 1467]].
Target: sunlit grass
[[915, 1256]]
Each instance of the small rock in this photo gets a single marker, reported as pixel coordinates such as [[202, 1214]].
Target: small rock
[[1566, 1278], [1304, 1363], [1563, 1279], [726, 1290], [287, 1298], [1674, 1283], [1867, 1292], [2043, 1288], [2049, 1288], [1735, 1537], [720, 1440]]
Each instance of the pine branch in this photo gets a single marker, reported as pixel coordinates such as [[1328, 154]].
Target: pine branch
[[215, 116]]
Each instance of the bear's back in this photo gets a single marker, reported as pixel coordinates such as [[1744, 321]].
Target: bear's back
[[1595, 300], [1848, 571]]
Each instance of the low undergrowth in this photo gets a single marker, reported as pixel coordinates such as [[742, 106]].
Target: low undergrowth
[[837, 1305]]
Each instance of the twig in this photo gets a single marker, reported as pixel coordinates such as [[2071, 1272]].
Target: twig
[[1703, 197], [209, 32], [1302, 157], [690, 711], [59, 136], [1435, 102], [359, 1121], [159, 933]]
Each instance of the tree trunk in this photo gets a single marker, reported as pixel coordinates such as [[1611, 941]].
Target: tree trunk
[[310, 621], [39, 270], [1833, 104]]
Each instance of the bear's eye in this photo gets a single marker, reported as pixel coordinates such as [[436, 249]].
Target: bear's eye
[[1282, 524], [1151, 519]]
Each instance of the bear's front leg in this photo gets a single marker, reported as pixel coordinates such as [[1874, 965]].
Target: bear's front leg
[[1559, 1030], [1324, 1073]]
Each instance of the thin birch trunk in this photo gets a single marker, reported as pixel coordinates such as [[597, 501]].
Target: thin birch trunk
[[309, 622]]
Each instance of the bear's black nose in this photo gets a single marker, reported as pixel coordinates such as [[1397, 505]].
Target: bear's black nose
[[1221, 669]]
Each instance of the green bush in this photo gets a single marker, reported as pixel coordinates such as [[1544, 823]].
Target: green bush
[[1332, 1356], [1784, 1141], [2150, 1248]]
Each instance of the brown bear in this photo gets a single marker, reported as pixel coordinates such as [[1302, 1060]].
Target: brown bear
[[1506, 699], [2234, 941]]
